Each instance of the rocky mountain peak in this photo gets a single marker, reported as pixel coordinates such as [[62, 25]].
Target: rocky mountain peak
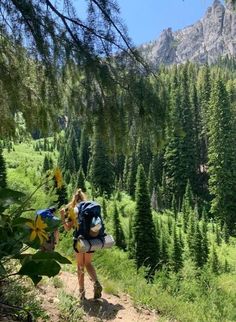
[[208, 39]]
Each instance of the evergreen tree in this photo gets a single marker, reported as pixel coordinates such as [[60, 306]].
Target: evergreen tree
[[180, 158], [84, 152], [176, 255], [62, 196], [191, 233], [225, 233], [143, 153], [46, 165], [204, 92], [187, 205], [131, 177], [205, 246], [101, 169], [117, 229], [145, 251], [214, 261], [222, 157], [198, 251], [81, 180], [3, 172]]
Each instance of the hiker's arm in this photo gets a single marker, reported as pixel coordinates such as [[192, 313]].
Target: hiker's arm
[[66, 224]]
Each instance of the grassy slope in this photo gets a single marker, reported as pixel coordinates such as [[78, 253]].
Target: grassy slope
[[24, 173]]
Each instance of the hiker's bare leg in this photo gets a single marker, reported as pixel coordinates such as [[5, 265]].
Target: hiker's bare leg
[[97, 288], [80, 258], [89, 266]]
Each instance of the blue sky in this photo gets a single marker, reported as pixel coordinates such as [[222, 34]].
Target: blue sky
[[146, 19]]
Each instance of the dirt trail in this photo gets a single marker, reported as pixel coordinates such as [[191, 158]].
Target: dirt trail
[[108, 308]]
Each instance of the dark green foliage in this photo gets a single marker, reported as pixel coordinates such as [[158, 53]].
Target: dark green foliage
[[143, 153], [64, 46], [151, 179], [62, 196], [47, 163], [84, 151], [81, 180], [187, 205], [222, 157], [164, 249], [198, 251], [176, 254], [191, 233], [130, 175], [3, 171], [205, 243], [118, 233], [101, 170], [104, 208], [225, 233], [145, 250], [218, 235], [214, 261]]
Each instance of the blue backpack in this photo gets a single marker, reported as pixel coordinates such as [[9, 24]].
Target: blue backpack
[[90, 221], [48, 217]]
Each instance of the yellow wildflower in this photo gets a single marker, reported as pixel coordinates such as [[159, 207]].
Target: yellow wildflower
[[37, 227], [58, 177]]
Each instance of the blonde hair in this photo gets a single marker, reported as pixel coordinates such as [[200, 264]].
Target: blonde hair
[[78, 196]]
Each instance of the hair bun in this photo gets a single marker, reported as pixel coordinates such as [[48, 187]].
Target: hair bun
[[79, 190]]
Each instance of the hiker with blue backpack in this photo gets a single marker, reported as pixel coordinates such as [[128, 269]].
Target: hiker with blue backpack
[[48, 216], [84, 216]]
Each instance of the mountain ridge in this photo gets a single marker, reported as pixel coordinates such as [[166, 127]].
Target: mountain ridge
[[211, 37]]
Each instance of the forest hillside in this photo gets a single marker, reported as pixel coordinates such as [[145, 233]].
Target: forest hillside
[[81, 108]]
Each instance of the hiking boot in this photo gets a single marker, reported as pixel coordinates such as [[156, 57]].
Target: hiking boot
[[82, 294], [97, 288]]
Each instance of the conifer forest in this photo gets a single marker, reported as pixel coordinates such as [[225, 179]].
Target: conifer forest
[[154, 145]]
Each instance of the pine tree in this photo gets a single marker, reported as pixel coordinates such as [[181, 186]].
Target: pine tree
[[197, 245], [214, 261], [225, 233], [191, 233], [117, 229], [205, 245], [3, 172], [131, 177], [46, 165], [143, 153], [81, 180], [218, 235], [222, 157], [176, 255], [62, 196], [204, 92], [144, 239], [179, 157], [101, 169], [84, 152], [187, 205]]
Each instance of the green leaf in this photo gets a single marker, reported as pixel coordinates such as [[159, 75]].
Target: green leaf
[[19, 221], [35, 278], [51, 256], [2, 270], [9, 197], [45, 267]]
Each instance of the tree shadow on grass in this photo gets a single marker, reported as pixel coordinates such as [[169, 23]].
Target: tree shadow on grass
[[101, 308]]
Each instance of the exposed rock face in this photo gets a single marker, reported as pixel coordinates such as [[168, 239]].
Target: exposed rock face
[[205, 41]]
